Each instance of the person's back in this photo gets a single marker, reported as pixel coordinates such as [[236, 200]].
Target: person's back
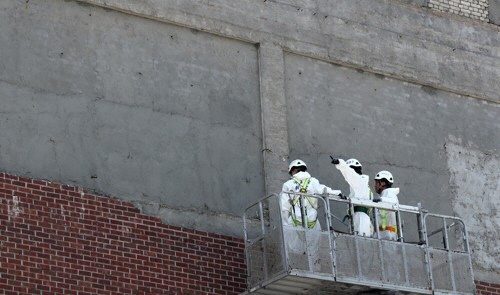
[[291, 203], [297, 197], [301, 182]]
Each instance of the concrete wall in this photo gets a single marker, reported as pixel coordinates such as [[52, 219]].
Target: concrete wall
[[171, 105], [494, 11], [129, 106], [475, 185], [475, 9]]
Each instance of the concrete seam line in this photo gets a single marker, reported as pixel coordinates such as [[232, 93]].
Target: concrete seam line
[[393, 76]]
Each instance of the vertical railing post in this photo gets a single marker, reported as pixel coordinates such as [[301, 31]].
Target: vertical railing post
[[445, 235], [263, 229], [427, 253], [247, 255], [355, 233], [421, 237], [331, 237], [401, 241], [450, 258], [379, 243], [467, 249], [351, 219], [305, 227], [399, 225], [382, 265], [375, 219], [284, 253], [302, 211]]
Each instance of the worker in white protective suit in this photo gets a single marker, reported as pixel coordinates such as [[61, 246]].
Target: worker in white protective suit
[[301, 182], [360, 189], [388, 228]]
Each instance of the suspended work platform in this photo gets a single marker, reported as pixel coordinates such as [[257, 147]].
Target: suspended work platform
[[429, 256]]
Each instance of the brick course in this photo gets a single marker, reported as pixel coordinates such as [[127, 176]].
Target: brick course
[[59, 239]]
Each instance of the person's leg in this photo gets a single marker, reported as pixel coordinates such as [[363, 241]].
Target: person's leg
[[362, 224]]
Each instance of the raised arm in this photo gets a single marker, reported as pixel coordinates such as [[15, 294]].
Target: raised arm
[[352, 178]]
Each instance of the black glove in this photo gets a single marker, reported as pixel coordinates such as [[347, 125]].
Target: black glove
[[377, 199], [343, 197], [334, 161]]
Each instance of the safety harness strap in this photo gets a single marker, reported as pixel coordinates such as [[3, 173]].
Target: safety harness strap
[[302, 184], [303, 189]]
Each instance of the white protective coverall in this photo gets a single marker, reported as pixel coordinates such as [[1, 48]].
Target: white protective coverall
[[386, 220], [360, 189], [293, 185], [292, 215]]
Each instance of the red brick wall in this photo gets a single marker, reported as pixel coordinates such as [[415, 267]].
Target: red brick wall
[[485, 288], [57, 239]]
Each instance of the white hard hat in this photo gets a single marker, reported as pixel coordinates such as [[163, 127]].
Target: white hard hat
[[296, 163], [353, 163], [384, 175]]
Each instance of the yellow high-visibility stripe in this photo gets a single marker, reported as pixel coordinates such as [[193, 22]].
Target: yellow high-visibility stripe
[[383, 215]]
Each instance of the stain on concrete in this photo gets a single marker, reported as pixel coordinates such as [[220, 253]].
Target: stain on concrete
[[475, 183], [429, 90]]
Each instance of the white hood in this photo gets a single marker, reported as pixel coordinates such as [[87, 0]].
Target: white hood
[[389, 192], [301, 175]]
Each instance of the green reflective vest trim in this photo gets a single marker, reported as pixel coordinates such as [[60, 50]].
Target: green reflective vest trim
[[361, 209], [383, 216], [364, 209]]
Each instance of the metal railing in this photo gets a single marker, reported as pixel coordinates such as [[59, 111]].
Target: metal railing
[[430, 253]]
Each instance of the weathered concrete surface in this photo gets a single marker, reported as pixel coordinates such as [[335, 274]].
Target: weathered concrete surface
[[130, 107], [385, 36], [475, 184], [194, 126], [494, 11], [276, 150], [200, 219]]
